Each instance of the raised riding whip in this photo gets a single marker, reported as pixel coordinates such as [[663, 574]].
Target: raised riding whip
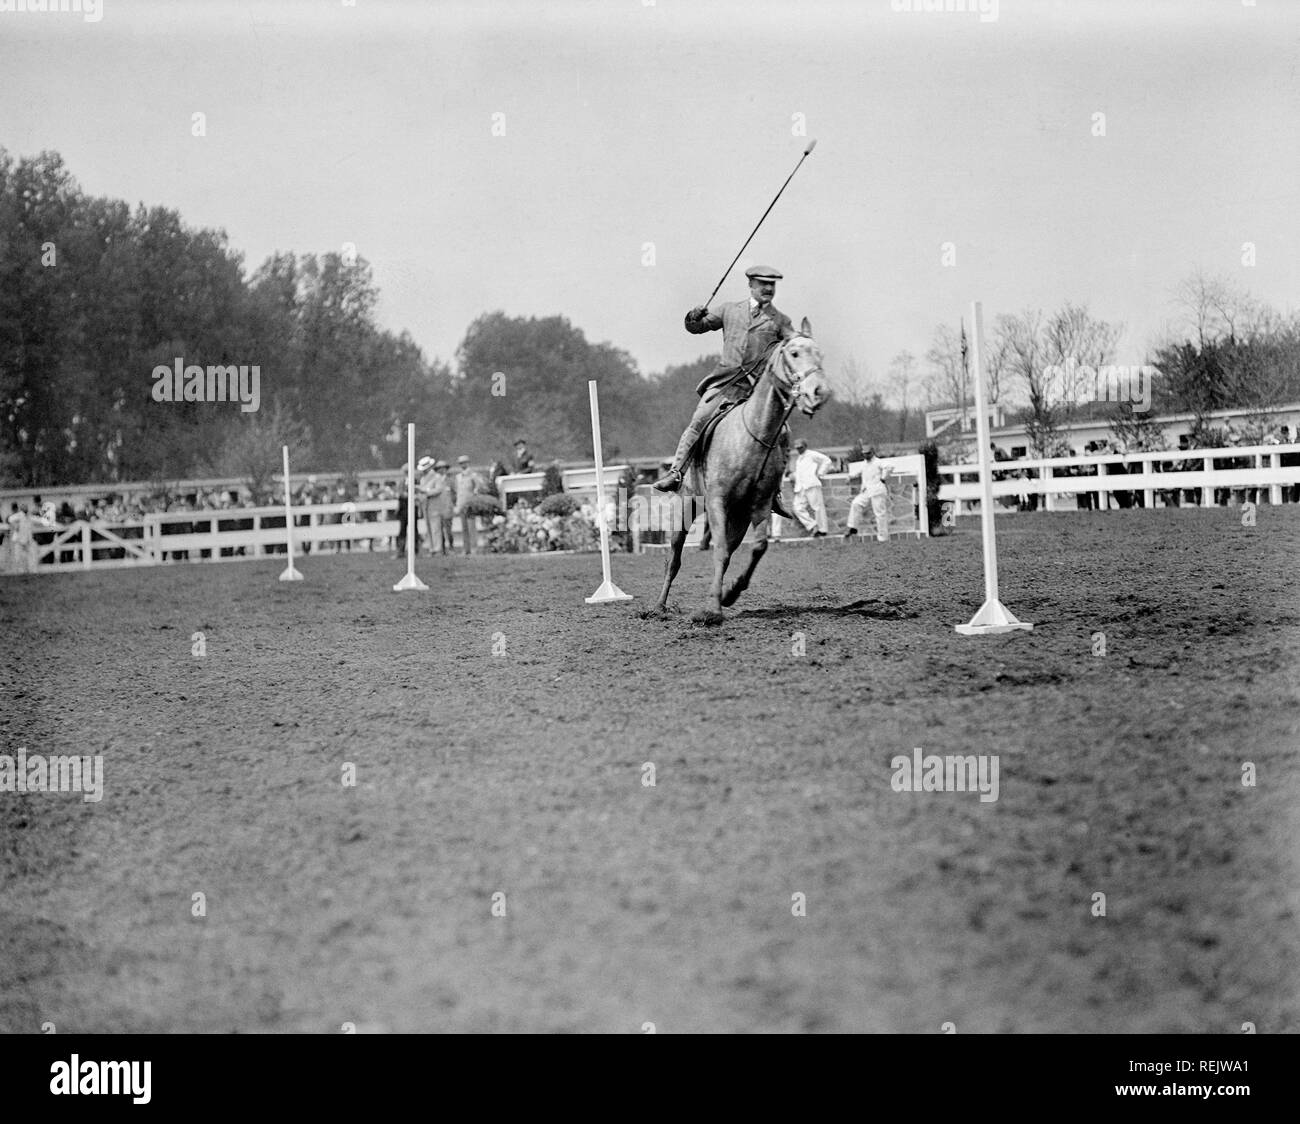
[[806, 152]]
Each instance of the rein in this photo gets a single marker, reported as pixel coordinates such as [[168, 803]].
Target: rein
[[780, 394], [779, 390]]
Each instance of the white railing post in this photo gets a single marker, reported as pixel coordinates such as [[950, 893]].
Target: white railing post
[[1275, 490], [607, 590], [993, 617], [410, 581], [1207, 491], [289, 574]]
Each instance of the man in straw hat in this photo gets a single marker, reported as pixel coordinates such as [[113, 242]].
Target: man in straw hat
[[439, 509]]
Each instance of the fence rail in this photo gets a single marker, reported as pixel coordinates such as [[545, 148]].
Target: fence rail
[[241, 533], [1273, 469], [210, 536], [1273, 473]]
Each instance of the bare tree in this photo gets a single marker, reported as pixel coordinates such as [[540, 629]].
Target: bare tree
[[1216, 307], [853, 382], [253, 450], [1074, 341], [946, 379], [996, 360], [1043, 357], [902, 382], [1021, 338]]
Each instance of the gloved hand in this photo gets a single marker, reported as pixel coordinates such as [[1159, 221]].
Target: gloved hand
[[697, 314]]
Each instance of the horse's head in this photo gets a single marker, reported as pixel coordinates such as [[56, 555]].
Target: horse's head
[[797, 369]]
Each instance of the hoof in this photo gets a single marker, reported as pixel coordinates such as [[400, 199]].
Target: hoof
[[707, 617], [657, 613]]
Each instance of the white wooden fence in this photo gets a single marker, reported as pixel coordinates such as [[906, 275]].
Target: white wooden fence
[[1150, 473], [208, 536], [244, 533]]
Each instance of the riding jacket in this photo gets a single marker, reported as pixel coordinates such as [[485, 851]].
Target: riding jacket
[[747, 333]]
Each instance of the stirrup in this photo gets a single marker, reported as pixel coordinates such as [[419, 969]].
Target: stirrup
[[670, 481]]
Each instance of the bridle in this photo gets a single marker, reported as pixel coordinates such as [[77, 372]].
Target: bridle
[[787, 385]]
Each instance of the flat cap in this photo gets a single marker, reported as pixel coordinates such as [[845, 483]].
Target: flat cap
[[764, 273]]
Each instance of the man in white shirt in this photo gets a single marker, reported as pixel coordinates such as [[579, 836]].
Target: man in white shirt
[[466, 483], [807, 469], [22, 546], [874, 494]]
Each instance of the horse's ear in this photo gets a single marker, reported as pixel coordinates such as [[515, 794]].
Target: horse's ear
[[805, 329]]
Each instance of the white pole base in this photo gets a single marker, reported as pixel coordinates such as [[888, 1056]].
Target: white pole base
[[608, 591], [290, 574], [409, 582], [993, 617]]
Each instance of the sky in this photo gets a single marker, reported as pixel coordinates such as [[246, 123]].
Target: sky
[[640, 141]]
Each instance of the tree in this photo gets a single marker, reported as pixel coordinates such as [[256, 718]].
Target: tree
[[529, 376], [1074, 343], [1043, 358], [852, 385], [902, 379], [1215, 307], [254, 449], [1021, 338], [947, 382], [1138, 431]]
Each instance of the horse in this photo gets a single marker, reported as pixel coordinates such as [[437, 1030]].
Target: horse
[[740, 470]]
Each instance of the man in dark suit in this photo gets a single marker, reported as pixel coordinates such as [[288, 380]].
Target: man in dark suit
[[523, 458], [749, 328]]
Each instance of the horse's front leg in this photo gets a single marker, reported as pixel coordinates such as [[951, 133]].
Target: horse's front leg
[[741, 583], [722, 550]]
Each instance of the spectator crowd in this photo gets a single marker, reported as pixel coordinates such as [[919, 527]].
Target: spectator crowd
[[445, 497]]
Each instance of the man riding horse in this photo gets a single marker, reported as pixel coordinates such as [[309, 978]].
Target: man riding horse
[[750, 328]]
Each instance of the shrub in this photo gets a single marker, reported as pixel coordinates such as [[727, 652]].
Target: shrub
[[558, 504], [933, 508], [523, 530], [483, 505], [552, 481]]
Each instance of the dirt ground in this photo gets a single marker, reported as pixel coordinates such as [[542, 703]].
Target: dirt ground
[[499, 727]]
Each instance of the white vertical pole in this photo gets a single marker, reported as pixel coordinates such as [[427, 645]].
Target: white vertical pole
[[608, 591], [993, 616], [410, 581], [290, 574], [985, 458]]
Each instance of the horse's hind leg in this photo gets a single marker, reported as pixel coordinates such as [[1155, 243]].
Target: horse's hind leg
[[741, 582], [674, 563]]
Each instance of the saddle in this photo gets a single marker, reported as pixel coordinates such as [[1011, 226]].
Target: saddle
[[732, 396], [737, 387]]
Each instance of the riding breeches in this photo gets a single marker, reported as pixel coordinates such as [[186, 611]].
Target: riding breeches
[[691, 434], [703, 412]]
